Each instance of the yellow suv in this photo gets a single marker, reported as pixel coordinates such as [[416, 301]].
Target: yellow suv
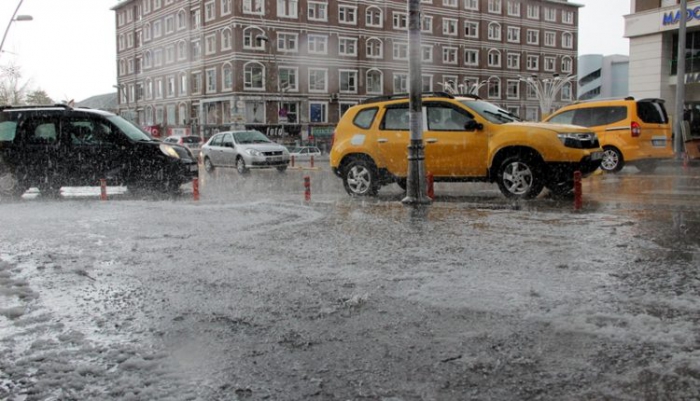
[[465, 139], [634, 132]]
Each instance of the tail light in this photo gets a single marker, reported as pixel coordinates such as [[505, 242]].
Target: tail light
[[636, 129]]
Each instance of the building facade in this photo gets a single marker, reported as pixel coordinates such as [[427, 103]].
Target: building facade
[[290, 68], [603, 77]]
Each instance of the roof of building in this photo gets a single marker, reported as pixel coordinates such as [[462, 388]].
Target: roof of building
[[107, 102]]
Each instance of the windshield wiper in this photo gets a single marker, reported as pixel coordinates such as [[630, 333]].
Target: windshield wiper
[[500, 116]]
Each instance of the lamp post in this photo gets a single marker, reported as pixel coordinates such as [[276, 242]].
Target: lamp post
[[121, 89], [546, 89], [14, 18]]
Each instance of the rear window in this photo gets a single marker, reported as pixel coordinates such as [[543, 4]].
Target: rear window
[[190, 139], [652, 112], [364, 118], [595, 116]]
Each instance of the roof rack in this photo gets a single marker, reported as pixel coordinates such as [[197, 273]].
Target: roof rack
[[599, 99], [405, 96], [37, 106]]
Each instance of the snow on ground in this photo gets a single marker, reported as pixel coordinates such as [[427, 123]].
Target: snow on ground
[[282, 300]]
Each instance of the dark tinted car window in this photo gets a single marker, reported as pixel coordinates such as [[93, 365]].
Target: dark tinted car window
[[595, 116], [652, 112], [190, 139], [396, 119]]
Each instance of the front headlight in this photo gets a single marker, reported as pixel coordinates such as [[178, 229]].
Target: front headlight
[[169, 151], [254, 152], [577, 139]]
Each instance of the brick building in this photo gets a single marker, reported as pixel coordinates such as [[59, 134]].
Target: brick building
[[290, 68]]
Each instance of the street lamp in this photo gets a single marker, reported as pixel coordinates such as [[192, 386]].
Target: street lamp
[[546, 89], [14, 18]]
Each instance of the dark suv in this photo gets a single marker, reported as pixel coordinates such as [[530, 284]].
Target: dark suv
[[53, 146]]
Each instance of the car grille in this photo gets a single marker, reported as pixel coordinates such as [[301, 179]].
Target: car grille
[[273, 153]]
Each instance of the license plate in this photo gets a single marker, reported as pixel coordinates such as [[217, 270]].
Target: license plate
[[658, 142], [275, 159], [596, 155]]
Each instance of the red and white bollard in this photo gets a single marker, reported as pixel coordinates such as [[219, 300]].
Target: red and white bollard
[[103, 189], [312, 162], [291, 162], [577, 191], [430, 181], [195, 189], [307, 188]]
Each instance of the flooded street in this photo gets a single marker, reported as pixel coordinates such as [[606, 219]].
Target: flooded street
[[252, 293]]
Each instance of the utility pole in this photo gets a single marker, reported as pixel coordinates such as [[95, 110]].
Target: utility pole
[[415, 182], [680, 81]]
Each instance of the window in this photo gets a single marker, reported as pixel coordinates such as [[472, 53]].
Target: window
[[226, 7], [494, 58], [373, 17], [130, 68], [550, 38], [513, 8], [550, 14], [494, 88], [211, 80], [130, 39], [121, 42], [181, 20], [227, 77], [427, 83], [149, 89], [317, 11], [513, 60], [533, 11], [449, 3], [426, 24], [196, 18], [400, 21], [426, 53], [287, 8], [318, 80], [566, 64], [226, 39], [183, 84], [471, 57], [449, 55], [400, 83], [494, 31], [533, 37], [157, 29], [400, 51], [513, 34], [209, 11], [147, 32], [513, 89], [288, 79], [210, 44], [531, 92], [347, 15], [374, 48], [495, 6], [169, 54], [395, 119], [318, 44], [566, 92], [254, 7], [287, 42], [471, 29], [146, 6], [549, 63], [159, 88], [253, 76], [250, 40], [567, 40], [471, 5], [196, 50], [347, 46], [169, 24], [533, 62], [374, 82], [181, 50], [158, 57], [449, 26], [348, 81], [170, 87], [318, 112], [567, 17]]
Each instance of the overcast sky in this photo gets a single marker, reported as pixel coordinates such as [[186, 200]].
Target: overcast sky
[[68, 50]]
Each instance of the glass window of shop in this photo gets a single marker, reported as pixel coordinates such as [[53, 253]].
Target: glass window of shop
[[692, 53]]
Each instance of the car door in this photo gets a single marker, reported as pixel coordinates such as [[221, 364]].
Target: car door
[[215, 150], [448, 145], [393, 139], [228, 150], [41, 149]]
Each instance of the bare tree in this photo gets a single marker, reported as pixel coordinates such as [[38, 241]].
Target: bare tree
[[13, 90], [39, 96]]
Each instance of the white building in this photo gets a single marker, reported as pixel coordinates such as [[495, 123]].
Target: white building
[[601, 77]]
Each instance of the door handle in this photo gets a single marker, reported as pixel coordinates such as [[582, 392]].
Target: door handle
[[382, 140], [431, 140]]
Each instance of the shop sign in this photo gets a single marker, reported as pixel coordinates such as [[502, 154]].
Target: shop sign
[[672, 18], [322, 132]]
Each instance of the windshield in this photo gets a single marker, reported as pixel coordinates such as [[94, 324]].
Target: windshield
[[250, 137], [132, 131], [490, 112]]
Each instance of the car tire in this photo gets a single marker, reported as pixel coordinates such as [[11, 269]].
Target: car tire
[[647, 166], [360, 178], [612, 160], [241, 167], [282, 169], [520, 177], [10, 186], [208, 165]]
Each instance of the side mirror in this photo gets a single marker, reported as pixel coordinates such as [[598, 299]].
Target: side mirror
[[473, 125]]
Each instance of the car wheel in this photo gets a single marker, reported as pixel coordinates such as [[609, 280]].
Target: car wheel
[[282, 169], [10, 186], [360, 178], [612, 160], [519, 177], [240, 166], [208, 166], [50, 189], [646, 166]]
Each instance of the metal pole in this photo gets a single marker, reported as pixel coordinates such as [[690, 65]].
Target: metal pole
[[415, 182], [680, 81], [2, 44]]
